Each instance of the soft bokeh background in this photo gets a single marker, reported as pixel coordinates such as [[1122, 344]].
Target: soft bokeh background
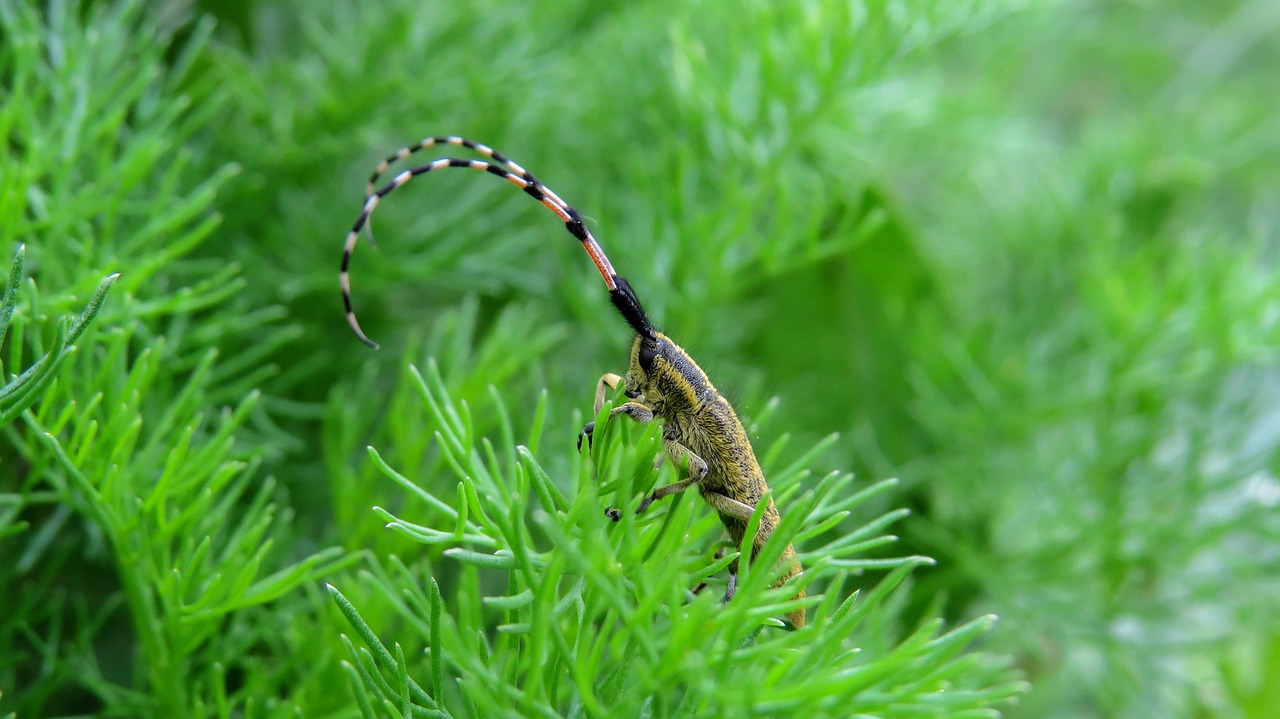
[[1021, 256]]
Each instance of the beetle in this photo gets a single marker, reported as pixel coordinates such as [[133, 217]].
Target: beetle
[[700, 430]]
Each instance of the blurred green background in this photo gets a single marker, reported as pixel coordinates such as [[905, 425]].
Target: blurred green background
[[1020, 255]]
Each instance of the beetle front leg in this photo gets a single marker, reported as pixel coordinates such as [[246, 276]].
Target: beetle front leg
[[632, 409], [610, 380]]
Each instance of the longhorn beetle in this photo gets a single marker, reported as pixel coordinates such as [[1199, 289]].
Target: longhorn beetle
[[700, 429]]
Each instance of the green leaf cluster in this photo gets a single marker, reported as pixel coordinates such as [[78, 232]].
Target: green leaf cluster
[[138, 522], [22, 391]]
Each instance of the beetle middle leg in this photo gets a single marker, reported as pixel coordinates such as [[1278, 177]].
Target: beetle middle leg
[[684, 456]]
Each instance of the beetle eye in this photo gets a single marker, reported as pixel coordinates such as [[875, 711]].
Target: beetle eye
[[646, 356]]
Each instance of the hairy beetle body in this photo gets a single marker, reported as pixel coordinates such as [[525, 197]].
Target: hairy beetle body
[[698, 420]]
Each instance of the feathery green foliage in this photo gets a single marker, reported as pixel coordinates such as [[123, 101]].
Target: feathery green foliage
[[1018, 255], [134, 501]]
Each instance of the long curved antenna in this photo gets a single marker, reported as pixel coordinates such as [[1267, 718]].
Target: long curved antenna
[[408, 151], [621, 294]]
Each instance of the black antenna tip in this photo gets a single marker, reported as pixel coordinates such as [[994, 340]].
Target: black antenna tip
[[624, 298]]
